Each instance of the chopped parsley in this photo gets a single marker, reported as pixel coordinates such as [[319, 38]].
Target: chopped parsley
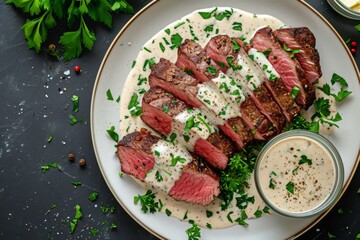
[[292, 51], [335, 78], [258, 213], [294, 92], [73, 120], [304, 159], [207, 15], [176, 159], [74, 221], [208, 225], [178, 25], [75, 101], [165, 108], [113, 226], [167, 31], [185, 215], [237, 26], [141, 80], [357, 27], [135, 109], [228, 216], [109, 95], [186, 138], [113, 134], [193, 232], [202, 120], [209, 28], [168, 212], [225, 14], [267, 52], [133, 64], [157, 153], [148, 62], [158, 176], [50, 138], [93, 196], [94, 231], [209, 213], [106, 210], [211, 70], [176, 40], [190, 123], [76, 183], [47, 167], [146, 49], [290, 187], [331, 236], [162, 47]]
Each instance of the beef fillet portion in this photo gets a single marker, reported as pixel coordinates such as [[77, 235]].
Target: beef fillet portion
[[168, 76], [160, 110], [191, 56], [288, 68], [223, 45], [302, 39], [196, 184]]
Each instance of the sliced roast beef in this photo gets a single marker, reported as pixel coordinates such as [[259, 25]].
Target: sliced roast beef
[[288, 68], [168, 76], [303, 40], [191, 56], [272, 82], [149, 159], [165, 113], [245, 72]]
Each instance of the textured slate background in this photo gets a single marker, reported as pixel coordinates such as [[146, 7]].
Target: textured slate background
[[33, 107]]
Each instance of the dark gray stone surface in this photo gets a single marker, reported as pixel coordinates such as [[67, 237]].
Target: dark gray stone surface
[[34, 106]]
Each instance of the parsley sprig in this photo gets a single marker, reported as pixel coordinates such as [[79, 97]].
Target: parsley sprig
[[46, 14], [148, 203]]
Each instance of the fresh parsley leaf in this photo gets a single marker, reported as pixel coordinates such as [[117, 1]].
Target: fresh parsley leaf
[[93, 196], [209, 28], [290, 187], [134, 107], [176, 159], [179, 24], [294, 92], [304, 159], [113, 134], [50, 138], [325, 88], [331, 236], [113, 226], [109, 95], [341, 95], [158, 176], [76, 183], [75, 101], [292, 51], [267, 52], [162, 47], [357, 27], [168, 212], [122, 6], [193, 232], [211, 70], [257, 213], [322, 107], [74, 221], [73, 120], [147, 202], [46, 167], [207, 15], [209, 213], [225, 14], [237, 26], [190, 123], [337, 78], [94, 231], [176, 40]]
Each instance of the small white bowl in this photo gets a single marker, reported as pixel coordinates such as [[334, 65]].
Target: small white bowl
[[342, 9], [271, 184]]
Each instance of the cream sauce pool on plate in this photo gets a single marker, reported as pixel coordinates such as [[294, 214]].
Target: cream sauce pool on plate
[[194, 27], [296, 174]]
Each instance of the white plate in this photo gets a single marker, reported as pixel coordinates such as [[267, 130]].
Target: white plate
[[335, 57]]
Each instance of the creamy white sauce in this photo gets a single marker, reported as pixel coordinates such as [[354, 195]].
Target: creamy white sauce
[[229, 88], [153, 50], [215, 101], [164, 175], [264, 64], [292, 184], [202, 127]]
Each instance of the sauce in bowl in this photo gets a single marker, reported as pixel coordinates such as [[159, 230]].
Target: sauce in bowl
[[299, 174]]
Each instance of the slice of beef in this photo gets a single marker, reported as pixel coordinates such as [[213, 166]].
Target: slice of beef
[[192, 56], [302, 39], [275, 86], [196, 184], [134, 152], [288, 68], [168, 76], [159, 112], [223, 45]]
